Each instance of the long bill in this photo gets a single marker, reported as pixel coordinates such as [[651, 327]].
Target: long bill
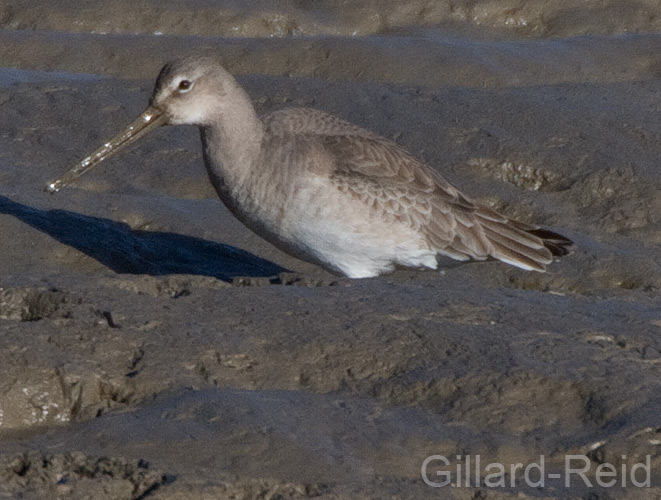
[[147, 121]]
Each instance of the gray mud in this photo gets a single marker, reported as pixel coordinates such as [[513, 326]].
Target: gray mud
[[153, 347]]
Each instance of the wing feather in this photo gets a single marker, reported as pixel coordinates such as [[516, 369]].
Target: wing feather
[[391, 181]]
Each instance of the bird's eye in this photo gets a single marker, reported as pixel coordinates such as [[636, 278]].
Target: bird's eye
[[185, 85]]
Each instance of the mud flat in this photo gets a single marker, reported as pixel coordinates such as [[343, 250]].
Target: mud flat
[[152, 347]]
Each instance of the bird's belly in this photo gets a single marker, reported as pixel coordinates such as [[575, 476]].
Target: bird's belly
[[332, 230], [357, 253], [343, 235]]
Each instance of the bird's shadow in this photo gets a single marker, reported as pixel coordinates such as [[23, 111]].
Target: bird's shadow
[[125, 250]]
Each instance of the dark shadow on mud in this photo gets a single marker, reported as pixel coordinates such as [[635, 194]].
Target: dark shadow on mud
[[124, 250]]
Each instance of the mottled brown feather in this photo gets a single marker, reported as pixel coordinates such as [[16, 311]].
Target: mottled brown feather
[[323, 189], [394, 183]]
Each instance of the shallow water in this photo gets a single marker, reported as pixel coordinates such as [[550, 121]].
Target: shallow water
[[153, 345]]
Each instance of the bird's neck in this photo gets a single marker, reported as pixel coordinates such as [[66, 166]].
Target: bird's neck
[[233, 143]]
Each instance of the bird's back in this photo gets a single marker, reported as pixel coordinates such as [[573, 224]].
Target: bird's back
[[391, 185]]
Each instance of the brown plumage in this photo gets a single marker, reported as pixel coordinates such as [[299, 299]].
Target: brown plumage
[[326, 190], [388, 179]]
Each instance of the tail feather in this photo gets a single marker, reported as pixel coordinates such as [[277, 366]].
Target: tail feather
[[556, 243], [485, 234], [532, 249], [522, 245], [518, 259]]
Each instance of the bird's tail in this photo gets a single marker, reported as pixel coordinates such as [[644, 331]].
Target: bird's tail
[[522, 245]]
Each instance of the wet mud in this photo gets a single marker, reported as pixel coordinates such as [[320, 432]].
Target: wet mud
[[153, 347]]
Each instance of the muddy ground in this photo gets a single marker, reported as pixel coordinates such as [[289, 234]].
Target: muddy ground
[[153, 347]]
